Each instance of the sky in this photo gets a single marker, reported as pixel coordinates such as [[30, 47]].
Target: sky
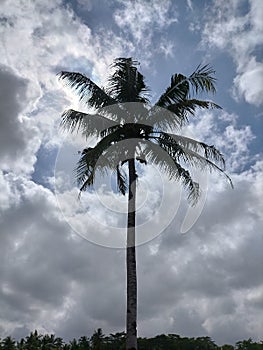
[[62, 262]]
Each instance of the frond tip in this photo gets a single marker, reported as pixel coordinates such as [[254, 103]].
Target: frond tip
[[203, 79]]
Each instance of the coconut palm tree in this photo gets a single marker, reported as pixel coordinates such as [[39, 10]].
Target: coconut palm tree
[[33, 341], [8, 343], [122, 112]]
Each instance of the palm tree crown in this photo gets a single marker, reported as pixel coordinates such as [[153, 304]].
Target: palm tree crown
[[114, 121]]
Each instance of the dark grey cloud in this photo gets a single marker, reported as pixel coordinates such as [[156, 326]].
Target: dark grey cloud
[[13, 100], [17, 135], [46, 268]]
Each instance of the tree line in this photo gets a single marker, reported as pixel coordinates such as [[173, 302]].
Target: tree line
[[117, 341]]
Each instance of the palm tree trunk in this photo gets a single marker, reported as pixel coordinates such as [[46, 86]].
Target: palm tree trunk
[[131, 321]]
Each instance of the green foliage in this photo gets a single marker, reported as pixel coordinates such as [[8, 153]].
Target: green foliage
[[227, 347], [248, 345], [8, 343], [99, 341]]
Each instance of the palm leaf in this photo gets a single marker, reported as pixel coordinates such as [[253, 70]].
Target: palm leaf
[[209, 152], [88, 124], [190, 157], [87, 90], [171, 167], [126, 83], [176, 114], [177, 91], [100, 158], [203, 80], [183, 107], [161, 118], [110, 130], [200, 80], [121, 180], [87, 166]]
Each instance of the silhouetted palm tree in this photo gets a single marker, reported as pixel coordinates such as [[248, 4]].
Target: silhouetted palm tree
[[8, 344], [97, 339], [84, 343], [122, 112], [33, 341], [51, 342]]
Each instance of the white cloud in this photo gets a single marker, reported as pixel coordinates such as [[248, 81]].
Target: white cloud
[[47, 272], [143, 18], [38, 41], [250, 83], [230, 138], [210, 270], [190, 4], [241, 35], [167, 47]]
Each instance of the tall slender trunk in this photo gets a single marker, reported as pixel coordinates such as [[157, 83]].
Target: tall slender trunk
[[131, 320]]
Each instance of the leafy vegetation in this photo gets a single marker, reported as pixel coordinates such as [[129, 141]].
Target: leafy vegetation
[[99, 341]]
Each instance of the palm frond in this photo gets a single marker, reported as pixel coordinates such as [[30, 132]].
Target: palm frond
[[163, 119], [100, 158], [87, 90], [117, 112], [126, 83], [85, 170], [176, 114], [183, 107], [176, 92], [190, 157], [129, 131], [110, 130], [172, 168], [209, 152], [130, 112], [87, 167], [121, 180], [88, 124], [203, 80]]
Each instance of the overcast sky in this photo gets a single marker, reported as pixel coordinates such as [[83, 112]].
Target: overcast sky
[[62, 266]]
